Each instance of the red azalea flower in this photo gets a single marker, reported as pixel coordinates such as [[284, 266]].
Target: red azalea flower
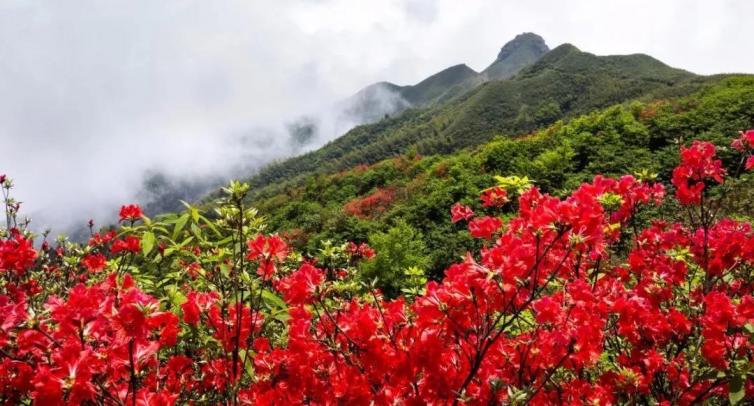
[[484, 227], [190, 309], [698, 165], [298, 287], [16, 253], [98, 239], [460, 212], [744, 142], [131, 212], [94, 262], [266, 269], [360, 251], [128, 244], [132, 320], [366, 251], [167, 324], [272, 247], [494, 197]]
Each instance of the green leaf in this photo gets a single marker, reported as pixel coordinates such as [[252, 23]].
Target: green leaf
[[211, 225], [273, 300], [179, 225], [736, 391], [197, 231], [147, 242]]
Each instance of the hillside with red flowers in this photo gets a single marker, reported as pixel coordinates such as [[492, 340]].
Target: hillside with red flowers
[[201, 208], [407, 197], [598, 249]]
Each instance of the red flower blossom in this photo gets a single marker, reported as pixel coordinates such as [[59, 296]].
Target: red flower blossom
[[94, 262], [190, 309], [267, 247], [484, 227], [298, 287], [360, 251], [698, 165], [131, 212], [371, 205], [745, 142], [494, 197], [16, 253], [166, 323], [460, 212], [128, 244], [99, 239]]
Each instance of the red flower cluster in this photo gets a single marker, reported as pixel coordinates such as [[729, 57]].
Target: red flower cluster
[[698, 166], [16, 253], [130, 212], [484, 227], [371, 205], [94, 262], [460, 212], [86, 344], [298, 288], [267, 251], [128, 244], [745, 144], [359, 251], [494, 197]]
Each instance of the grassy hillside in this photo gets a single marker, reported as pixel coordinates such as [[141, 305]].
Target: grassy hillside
[[562, 84], [413, 192]]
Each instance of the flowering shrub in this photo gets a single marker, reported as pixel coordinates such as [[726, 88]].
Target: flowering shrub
[[188, 309], [371, 205]]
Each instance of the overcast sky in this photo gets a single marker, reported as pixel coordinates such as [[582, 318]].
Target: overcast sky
[[94, 93]]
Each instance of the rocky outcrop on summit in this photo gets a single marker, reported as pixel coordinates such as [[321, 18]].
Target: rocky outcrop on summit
[[522, 51]]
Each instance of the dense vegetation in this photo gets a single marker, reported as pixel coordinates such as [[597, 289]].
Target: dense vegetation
[[570, 301], [414, 192]]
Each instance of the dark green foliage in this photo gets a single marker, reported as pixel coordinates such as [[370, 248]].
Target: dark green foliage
[[398, 249]]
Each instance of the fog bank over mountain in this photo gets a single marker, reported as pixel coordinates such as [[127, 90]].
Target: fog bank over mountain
[[109, 102]]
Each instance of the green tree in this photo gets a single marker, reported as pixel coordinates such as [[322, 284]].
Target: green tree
[[400, 250]]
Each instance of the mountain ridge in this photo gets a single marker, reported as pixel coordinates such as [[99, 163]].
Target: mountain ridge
[[564, 82], [379, 99]]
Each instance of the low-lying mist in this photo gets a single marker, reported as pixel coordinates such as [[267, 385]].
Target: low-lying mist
[[155, 103]]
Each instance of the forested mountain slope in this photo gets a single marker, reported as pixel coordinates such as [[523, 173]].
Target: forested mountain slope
[[562, 84]]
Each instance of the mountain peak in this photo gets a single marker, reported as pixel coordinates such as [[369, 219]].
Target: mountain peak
[[524, 41], [521, 51]]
